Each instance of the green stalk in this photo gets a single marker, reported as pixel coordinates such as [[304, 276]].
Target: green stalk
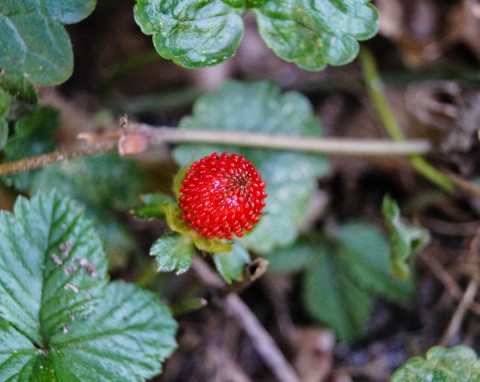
[[375, 88]]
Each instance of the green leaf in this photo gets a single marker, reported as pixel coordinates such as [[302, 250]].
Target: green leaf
[[343, 274], [173, 252], [313, 34], [441, 365], [405, 240], [365, 253], [5, 101], [3, 133], [294, 258], [18, 86], [153, 206], [231, 264], [335, 299], [105, 181], [192, 33], [290, 176], [51, 263], [127, 337], [33, 136], [58, 322], [33, 42], [124, 340], [103, 184]]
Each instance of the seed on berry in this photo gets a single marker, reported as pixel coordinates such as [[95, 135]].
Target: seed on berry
[[222, 196]]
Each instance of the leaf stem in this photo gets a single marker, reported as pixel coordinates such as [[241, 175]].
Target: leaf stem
[[375, 88]]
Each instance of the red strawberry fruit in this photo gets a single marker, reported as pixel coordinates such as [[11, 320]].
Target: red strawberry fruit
[[222, 195]]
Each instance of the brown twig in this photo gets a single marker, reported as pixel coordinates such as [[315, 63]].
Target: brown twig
[[239, 311], [459, 314], [31, 163], [448, 281]]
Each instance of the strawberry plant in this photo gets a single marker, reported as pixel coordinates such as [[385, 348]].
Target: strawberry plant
[[97, 234]]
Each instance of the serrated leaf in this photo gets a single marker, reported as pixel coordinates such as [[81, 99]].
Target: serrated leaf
[[231, 264], [124, 340], [313, 34], [153, 206], [173, 252], [33, 136], [56, 324], [33, 42], [52, 265], [290, 177], [191, 33], [103, 184], [405, 240], [127, 337], [441, 365]]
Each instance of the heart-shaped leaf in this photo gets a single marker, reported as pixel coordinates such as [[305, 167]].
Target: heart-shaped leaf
[[311, 34], [191, 33]]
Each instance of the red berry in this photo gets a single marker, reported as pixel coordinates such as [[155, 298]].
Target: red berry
[[222, 195]]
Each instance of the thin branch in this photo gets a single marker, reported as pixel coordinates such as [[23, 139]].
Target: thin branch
[[71, 152], [135, 138], [375, 88], [332, 146], [238, 310], [458, 316]]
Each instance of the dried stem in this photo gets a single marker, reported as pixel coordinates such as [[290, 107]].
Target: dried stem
[[143, 136], [458, 316], [238, 310], [82, 150], [134, 138]]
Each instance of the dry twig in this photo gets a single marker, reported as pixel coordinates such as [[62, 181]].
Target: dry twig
[[239, 311]]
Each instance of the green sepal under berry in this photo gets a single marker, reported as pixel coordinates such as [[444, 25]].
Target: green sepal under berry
[[174, 251], [153, 206], [405, 240]]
